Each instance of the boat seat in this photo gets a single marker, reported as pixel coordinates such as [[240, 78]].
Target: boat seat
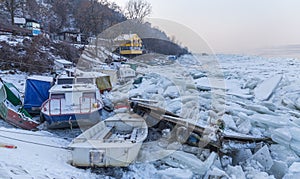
[[134, 134], [102, 134]]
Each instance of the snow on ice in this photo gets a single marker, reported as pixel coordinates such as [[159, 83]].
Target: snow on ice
[[254, 96]]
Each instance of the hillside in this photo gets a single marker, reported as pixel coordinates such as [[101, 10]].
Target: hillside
[[89, 18], [33, 55]]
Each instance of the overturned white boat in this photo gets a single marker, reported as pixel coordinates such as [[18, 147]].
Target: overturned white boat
[[113, 142]]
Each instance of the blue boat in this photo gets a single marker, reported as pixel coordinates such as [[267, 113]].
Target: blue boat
[[72, 105]]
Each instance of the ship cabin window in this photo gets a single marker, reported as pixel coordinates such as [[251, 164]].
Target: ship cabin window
[[85, 80], [58, 96], [125, 48], [91, 95], [62, 81]]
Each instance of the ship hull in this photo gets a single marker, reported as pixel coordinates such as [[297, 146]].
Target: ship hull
[[17, 119], [72, 120]]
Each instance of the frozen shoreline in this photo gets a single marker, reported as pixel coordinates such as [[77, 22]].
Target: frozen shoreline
[[188, 92]]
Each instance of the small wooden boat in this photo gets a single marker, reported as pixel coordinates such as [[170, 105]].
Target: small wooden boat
[[11, 109], [113, 142]]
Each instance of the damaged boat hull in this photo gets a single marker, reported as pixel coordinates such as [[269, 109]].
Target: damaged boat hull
[[16, 119], [18, 116]]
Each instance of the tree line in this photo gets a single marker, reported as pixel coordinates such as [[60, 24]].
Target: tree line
[[90, 16]]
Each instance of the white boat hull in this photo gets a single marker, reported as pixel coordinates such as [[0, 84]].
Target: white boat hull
[[113, 142], [120, 156]]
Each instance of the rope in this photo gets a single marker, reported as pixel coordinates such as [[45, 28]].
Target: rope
[[39, 135], [40, 144]]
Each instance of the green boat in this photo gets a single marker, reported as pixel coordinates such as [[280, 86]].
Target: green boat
[[11, 109]]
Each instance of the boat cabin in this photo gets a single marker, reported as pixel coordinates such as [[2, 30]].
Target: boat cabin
[[74, 94], [70, 104]]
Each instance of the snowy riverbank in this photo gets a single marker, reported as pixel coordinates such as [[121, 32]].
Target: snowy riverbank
[[253, 95]]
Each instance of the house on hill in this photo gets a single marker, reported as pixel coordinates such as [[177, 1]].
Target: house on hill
[[29, 24], [71, 35]]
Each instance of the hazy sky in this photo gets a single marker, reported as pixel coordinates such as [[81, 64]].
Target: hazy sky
[[234, 26]]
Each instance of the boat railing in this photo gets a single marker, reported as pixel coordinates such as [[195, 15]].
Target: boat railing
[[58, 106]]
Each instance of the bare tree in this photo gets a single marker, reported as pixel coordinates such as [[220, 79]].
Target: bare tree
[[93, 16], [89, 16], [61, 9], [138, 9], [11, 6]]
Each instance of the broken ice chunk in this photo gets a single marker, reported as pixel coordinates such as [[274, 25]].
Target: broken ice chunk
[[175, 173], [265, 89], [174, 105], [270, 120], [294, 171], [164, 83], [269, 105], [295, 132], [262, 175], [235, 172], [229, 122], [236, 110], [261, 109], [288, 103], [281, 136], [263, 157], [243, 123], [295, 167], [297, 103], [216, 173], [252, 83], [295, 145], [283, 153], [241, 155], [190, 161], [279, 169], [172, 92], [151, 89]]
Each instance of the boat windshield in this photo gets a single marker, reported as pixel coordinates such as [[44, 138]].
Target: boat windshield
[[62, 81]]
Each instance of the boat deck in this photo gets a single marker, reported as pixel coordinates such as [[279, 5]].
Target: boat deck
[[112, 133], [61, 107]]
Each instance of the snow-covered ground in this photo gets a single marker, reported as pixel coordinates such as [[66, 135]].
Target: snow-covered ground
[[254, 96]]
